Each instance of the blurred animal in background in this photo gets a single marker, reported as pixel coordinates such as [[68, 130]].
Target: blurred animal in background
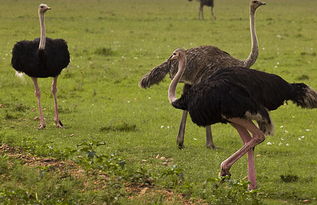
[[196, 70], [237, 95], [209, 3], [41, 58]]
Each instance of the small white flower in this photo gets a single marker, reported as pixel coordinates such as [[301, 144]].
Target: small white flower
[[302, 137], [279, 144], [128, 101], [149, 98], [281, 126], [307, 130], [282, 139], [299, 139], [195, 138], [269, 143], [162, 126], [168, 127], [287, 144], [285, 131]]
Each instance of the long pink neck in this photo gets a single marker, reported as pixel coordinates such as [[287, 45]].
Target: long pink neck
[[254, 42], [173, 84], [43, 32]]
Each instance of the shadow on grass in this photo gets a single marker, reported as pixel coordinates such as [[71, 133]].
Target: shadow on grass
[[120, 127]]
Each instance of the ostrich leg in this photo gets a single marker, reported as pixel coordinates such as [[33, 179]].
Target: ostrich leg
[[181, 131], [54, 91], [251, 164], [209, 141], [201, 11], [38, 96], [212, 13], [257, 138]]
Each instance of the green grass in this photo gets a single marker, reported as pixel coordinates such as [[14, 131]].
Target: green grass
[[113, 43]]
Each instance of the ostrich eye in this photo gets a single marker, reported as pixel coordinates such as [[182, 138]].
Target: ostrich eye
[[174, 54], [42, 7]]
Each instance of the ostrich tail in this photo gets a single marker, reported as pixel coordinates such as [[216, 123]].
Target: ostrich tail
[[304, 96], [19, 75], [155, 76]]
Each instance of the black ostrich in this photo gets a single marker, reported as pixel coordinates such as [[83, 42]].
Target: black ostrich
[[42, 58], [237, 96], [209, 3]]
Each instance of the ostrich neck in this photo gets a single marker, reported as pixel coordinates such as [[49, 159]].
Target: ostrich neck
[[43, 32], [173, 85], [254, 42]]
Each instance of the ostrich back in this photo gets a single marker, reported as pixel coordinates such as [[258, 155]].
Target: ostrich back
[[201, 60], [231, 92], [197, 60], [27, 58]]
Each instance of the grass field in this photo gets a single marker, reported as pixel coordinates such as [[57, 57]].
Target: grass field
[[113, 43]]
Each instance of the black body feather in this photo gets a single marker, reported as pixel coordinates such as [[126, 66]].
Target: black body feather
[[233, 92], [209, 3], [34, 62]]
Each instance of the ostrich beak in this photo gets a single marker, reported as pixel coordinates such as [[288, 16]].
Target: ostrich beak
[[49, 8], [263, 3]]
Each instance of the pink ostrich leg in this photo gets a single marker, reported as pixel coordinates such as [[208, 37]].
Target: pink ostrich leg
[[38, 96], [257, 138], [54, 91], [245, 136]]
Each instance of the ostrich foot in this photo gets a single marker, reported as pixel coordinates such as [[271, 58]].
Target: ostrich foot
[[224, 174], [211, 146], [59, 124], [180, 145], [41, 126], [251, 186]]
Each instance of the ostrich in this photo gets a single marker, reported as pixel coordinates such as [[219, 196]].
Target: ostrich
[[209, 3], [237, 96], [197, 60], [42, 58]]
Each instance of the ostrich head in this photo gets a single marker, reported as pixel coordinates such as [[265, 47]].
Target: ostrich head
[[178, 54], [256, 4], [43, 8]]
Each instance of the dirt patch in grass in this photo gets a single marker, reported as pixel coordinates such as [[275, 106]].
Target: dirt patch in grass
[[65, 167], [98, 179]]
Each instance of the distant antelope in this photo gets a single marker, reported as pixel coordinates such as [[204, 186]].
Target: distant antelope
[[203, 3]]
